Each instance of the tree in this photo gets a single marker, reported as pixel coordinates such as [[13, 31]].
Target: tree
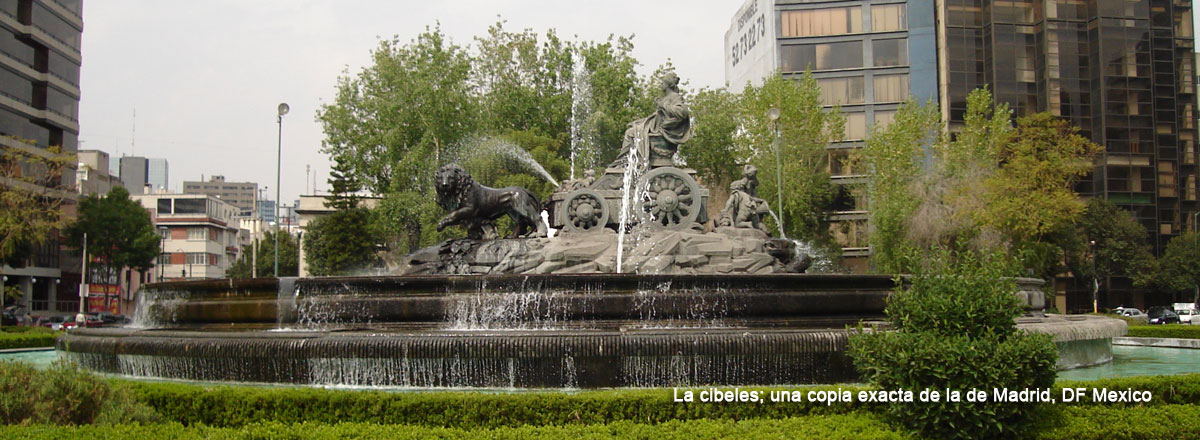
[[805, 128], [119, 231], [343, 185], [31, 197], [1031, 193], [342, 243], [712, 151], [1121, 247], [288, 257], [895, 156], [1179, 266]]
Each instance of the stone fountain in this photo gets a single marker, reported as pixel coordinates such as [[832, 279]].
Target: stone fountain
[[658, 296]]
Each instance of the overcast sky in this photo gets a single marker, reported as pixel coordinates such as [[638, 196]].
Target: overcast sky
[[205, 77]]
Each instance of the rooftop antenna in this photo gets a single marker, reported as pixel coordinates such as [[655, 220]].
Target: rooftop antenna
[[133, 134], [307, 169]]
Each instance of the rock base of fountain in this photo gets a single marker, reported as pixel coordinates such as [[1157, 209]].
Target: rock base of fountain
[[648, 251]]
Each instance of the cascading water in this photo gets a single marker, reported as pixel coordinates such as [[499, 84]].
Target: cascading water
[[779, 222], [627, 195], [581, 109]]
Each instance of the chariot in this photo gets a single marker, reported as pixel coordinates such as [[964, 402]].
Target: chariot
[[664, 196]]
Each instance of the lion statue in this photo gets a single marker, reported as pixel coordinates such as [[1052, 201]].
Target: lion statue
[[476, 206]]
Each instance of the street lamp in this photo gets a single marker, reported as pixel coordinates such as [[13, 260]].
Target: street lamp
[[162, 244], [773, 115], [1095, 281], [282, 110], [187, 261]]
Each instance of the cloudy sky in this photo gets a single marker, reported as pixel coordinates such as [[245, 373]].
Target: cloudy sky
[[204, 77]]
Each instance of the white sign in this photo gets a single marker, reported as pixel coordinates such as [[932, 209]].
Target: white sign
[[750, 53]]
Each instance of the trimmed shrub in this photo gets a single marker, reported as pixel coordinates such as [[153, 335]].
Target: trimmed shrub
[[26, 337], [955, 330], [1180, 331], [64, 394]]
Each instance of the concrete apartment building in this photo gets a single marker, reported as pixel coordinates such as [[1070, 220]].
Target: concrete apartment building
[[239, 194], [868, 57], [93, 175], [200, 235], [1121, 70], [39, 103]]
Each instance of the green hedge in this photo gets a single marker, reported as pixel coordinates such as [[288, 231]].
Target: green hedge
[[1066, 423], [238, 405], [26, 337], [1181, 331]]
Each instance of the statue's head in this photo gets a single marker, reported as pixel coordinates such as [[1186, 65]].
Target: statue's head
[[589, 173], [749, 171], [452, 180], [737, 185], [670, 81]]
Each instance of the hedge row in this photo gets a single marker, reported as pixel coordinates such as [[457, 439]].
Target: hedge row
[[1181, 331], [237, 406], [233, 406], [26, 337], [1067, 423]]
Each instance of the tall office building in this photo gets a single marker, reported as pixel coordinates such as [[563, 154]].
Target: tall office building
[[156, 174], [1121, 70], [39, 103], [868, 57], [139, 172], [238, 194]]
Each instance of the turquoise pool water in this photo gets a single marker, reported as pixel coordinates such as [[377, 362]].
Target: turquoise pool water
[[1140, 361], [1127, 361]]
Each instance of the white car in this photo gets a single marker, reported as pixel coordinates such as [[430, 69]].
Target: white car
[[1136, 314], [1186, 312]]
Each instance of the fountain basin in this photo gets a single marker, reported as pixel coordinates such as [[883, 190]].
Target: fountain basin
[[517, 331]]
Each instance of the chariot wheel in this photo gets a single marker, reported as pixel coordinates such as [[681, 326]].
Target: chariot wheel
[[584, 211], [670, 198]]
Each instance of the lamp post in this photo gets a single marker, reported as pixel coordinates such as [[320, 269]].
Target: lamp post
[[282, 110], [186, 261], [162, 244], [1095, 281], [773, 115]]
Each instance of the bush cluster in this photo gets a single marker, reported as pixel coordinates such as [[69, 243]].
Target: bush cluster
[[1181, 331], [26, 337], [953, 329], [64, 394]]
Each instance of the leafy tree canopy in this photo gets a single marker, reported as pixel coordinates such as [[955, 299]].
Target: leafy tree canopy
[[288, 257]]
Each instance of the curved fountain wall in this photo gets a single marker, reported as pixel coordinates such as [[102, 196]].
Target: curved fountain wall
[[594, 330], [505, 331]]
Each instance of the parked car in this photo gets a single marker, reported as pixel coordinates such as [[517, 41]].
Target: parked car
[[1162, 315], [57, 322], [93, 320], [113, 320], [1186, 312], [1135, 314]]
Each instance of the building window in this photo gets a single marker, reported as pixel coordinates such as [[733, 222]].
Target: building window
[[841, 90], [164, 259], [856, 126], [891, 88], [887, 18], [814, 22], [892, 52], [197, 234], [824, 56], [200, 258], [883, 118]]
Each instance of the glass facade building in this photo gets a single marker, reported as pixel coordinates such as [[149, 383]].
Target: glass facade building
[[39, 107], [1121, 70], [868, 56]]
